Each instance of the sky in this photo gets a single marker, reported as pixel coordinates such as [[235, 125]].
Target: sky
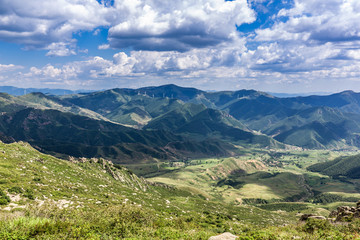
[[290, 46]]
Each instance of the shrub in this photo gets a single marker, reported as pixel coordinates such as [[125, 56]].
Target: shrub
[[325, 198], [4, 199], [316, 225], [29, 193], [15, 190]]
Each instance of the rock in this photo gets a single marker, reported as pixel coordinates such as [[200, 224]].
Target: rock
[[358, 204], [333, 214], [346, 213], [224, 236], [305, 217], [318, 217]]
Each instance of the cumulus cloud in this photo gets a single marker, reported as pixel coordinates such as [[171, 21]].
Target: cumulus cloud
[[61, 49], [49, 24], [307, 42], [311, 37], [317, 22], [177, 25], [139, 24], [146, 63], [9, 67]]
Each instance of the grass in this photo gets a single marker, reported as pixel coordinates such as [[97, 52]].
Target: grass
[[258, 191], [92, 199]]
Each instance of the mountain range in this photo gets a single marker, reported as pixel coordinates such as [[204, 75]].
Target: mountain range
[[172, 122]]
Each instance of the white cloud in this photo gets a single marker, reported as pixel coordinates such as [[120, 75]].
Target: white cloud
[[9, 67], [177, 25], [316, 21], [140, 24], [193, 41], [104, 47], [40, 24], [61, 49]]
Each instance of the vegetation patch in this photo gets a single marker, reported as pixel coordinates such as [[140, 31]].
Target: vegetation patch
[[288, 207], [4, 199]]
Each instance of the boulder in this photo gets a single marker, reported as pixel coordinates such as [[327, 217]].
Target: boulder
[[224, 236]]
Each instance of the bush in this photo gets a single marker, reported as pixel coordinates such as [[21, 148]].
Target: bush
[[316, 225], [17, 190], [4, 199], [325, 198], [288, 207], [29, 193]]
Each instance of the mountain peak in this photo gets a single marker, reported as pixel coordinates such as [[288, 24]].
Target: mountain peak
[[347, 92]]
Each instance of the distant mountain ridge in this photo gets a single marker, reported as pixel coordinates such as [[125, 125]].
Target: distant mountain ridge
[[50, 91], [191, 122]]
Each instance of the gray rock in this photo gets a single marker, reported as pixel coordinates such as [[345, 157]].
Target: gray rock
[[224, 236]]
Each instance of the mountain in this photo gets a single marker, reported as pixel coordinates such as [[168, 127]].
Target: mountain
[[41, 101], [146, 108], [75, 135], [310, 122], [124, 106], [203, 123], [347, 101], [315, 122], [317, 127], [287, 95], [171, 91]]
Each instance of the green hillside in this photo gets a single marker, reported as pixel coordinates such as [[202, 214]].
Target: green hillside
[[330, 122], [229, 117], [75, 135], [125, 106], [318, 127], [42, 101], [343, 166], [47, 198]]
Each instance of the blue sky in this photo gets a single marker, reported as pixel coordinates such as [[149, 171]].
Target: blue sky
[[279, 46]]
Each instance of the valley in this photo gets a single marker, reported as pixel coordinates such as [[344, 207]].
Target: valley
[[177, 163]]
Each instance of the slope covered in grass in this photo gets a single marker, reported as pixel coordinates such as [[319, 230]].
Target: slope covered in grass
[[94, 199], [342, 166]]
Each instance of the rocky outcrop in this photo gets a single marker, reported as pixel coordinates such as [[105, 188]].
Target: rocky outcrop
[[305, 217], [120, 174], [346, 213]]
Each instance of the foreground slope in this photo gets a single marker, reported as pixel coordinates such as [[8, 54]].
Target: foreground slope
[[93, 199]]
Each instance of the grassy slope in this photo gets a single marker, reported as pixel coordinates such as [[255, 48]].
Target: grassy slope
[[77, 200], [342, 166]]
